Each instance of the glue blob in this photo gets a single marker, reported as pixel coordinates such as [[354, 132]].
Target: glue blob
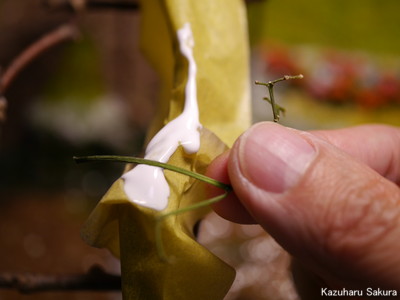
[[146, 185]]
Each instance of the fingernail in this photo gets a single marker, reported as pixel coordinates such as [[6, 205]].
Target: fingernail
[[274, 157]]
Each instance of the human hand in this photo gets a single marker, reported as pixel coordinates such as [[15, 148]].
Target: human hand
[[330, 198]]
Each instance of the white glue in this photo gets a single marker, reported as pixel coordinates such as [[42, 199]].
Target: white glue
[[146, 185]]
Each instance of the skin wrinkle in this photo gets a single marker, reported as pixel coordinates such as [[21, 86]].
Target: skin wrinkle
[[356, 146], [348, 248], [351, 226], [302, 241], [342, 243], [354, 232], [338, 237], [388, 264], [331, 132], [257, 194], [319, 208], [363, 237], [307, 254], [307, 248], [319, 211], [393, 166], [345, 216], [261, 194], [356, 192]]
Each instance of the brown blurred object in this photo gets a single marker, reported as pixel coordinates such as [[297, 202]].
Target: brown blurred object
[[115, 35], [39, 233], [51, 39], [95, 279], [3, 109], [79, 5]]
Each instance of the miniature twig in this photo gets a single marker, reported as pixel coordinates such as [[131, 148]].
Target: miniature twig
[[61, 34], [276, 109], [95, 279]]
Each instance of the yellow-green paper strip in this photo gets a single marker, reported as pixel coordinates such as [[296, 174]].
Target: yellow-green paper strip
[[127, 229], [221, 53]]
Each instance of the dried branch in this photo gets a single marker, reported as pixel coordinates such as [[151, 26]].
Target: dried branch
[[79, 5], [95, 279], [63, 33]]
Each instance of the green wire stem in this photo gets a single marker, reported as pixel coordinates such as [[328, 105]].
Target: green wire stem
[[160, 218], [138, 160], [159, 243]]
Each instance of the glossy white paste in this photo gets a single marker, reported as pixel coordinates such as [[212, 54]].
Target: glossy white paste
[[146, 185]]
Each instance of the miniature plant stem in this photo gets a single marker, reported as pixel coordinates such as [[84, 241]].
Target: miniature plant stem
[[276, 109], [162, 216], [137, 160], [159, 242]]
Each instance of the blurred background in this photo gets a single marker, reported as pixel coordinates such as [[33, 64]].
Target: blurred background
[[95, 94], [347, 51]]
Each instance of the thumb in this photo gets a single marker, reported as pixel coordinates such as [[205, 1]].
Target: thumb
[[334, 214]]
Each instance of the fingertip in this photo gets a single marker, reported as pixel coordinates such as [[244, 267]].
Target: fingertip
[[230, 207], [324, 206], [218, 169]]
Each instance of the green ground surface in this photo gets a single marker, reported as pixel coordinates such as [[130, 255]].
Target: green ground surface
[[369, 26], [356, 24]]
